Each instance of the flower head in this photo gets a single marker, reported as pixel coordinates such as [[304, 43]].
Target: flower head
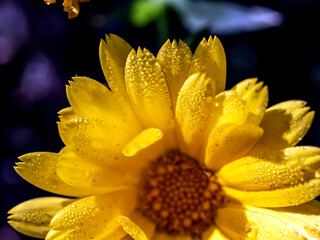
[[167, 153], [69, 6]]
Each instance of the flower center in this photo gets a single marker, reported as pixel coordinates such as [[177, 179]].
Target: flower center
[[179, 196]]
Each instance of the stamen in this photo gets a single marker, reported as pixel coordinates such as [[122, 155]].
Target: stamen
[[179, 196]]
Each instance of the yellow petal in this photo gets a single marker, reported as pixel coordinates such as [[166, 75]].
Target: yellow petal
[[95, 139], [244, 222], [93, 217], [39, 168], [235, 122], [32, 217], [193, 112], [272, 170], [113, 56], [58, 235], [285, 124], [131, 228], [85, 174], [67, 114], [305, 217], [148, 90], [116, 233], [229, 108], [147, 226], [210, 58], [91, 99], [98, 141], [145, 139], [241, 104], [290, 196], [255, 97], [164, 236], [175, 60], [229, 142], [213, 233]]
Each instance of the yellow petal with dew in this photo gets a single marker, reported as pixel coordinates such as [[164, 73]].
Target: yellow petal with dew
[[113, 56], [289, 196], [285, 124], [244, 222], [94, 217], [241, 110], [145, 139], [305, 217], [82, 173], [229, 108], [174, 59], [193, 111], [148, 90], [39, 169], [229, 142], [242, 87], [210, 58], [272, 170], [241, 104], [255, 96], [32, 217], [131, 228], [95, 139], [91, 99], [116, 233]]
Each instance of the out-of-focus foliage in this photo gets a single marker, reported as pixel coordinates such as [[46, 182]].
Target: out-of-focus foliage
[[218, 17], [145, 11]]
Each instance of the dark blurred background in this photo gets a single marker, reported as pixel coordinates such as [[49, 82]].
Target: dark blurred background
[[41, 49]]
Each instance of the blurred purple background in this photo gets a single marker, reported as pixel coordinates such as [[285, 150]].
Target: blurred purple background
[[40, 50]]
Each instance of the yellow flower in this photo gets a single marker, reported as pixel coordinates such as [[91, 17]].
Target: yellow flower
[[69, 6], [167, 153]]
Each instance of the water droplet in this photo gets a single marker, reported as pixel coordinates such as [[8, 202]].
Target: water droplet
[[247, 227]]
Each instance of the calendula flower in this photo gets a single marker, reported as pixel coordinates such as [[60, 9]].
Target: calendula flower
[[167, 153], [69, 6]]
